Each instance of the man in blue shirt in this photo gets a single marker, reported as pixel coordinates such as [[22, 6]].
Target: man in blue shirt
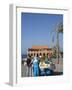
[[35, 66]]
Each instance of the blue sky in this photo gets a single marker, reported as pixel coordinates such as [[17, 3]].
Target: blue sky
[[36, 29]]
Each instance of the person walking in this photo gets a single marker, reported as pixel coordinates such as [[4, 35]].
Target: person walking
[[29, 66], [35, 67]]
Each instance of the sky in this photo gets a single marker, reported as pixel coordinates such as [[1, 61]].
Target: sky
[[36, 29]]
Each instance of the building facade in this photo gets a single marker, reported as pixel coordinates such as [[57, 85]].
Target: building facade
[[39, 50]]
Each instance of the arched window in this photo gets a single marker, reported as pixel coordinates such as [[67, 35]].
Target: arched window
[[37, 55], [47, 54], [34, 54], [43, 54], [31, 54], [28, 54], [40, 53]]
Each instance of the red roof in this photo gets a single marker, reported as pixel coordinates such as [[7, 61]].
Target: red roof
[[39, 47]]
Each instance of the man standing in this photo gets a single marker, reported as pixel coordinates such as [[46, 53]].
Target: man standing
[[29, 66], [35, 66]]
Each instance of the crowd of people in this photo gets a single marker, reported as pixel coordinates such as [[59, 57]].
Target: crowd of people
[[34, 64]]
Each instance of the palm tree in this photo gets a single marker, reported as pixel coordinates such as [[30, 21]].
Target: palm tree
[[54, 52], [58, 29]]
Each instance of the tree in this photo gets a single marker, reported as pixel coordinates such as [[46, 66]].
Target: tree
[[54, 52], [59, 29]]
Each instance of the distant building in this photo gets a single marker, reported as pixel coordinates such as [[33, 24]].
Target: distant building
[[39, 50]]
